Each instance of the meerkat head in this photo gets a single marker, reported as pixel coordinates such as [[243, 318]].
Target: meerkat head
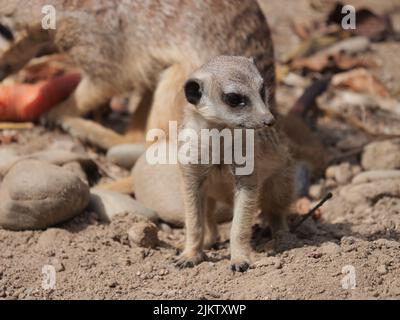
[[229, 91]]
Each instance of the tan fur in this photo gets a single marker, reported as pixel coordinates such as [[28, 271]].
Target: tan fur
[[123, 186], [169, 100]]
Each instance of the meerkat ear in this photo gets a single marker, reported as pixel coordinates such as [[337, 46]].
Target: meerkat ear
[[194, 91]]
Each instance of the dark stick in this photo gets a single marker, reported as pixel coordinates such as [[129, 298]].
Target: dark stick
[[312, 211]]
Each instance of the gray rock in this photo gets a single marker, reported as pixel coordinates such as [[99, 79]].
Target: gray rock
[[268, 261], [330, 248], [144, 234], [330, 172], [108, 204], [369, 192], [7, 155], [382, 269], [165, 228], [57, 264], [316, 191], [382, 155], [157, 187], [56, 157], [125, 155], [76, 168], [7, 158], [53, 238], [375, 175], [38, 195], [343, 173]]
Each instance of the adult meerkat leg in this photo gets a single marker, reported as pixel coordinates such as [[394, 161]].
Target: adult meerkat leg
[[277, 195], [166, 105], [211, 228], [93, 133], [88, 95], [193, 199], [246, 205]]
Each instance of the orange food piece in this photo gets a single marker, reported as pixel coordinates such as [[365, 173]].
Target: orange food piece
[[27, 102]]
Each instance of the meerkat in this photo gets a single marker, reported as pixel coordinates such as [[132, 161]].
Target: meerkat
[[229, 93], [148, 46]]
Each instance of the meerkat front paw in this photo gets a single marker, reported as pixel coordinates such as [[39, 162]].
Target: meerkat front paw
[[189, 260], [240, 265]]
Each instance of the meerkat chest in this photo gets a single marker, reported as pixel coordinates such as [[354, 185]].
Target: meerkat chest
[[220, 183]]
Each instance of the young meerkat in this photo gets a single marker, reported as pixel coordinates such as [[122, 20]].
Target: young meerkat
[[229, 93]]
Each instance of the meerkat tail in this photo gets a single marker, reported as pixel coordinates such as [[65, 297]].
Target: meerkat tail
[[124, 185]]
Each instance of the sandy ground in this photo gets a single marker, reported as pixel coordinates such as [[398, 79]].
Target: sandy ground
[[96, 261]]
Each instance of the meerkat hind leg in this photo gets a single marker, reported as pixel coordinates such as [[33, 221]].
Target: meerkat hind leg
[[91, 132], [87, 96], [123, 185], [275, 201]]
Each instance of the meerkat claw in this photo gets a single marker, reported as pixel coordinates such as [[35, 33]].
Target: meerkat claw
[[184, 262], [240, 267]]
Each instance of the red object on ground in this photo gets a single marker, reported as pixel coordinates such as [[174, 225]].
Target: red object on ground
[[27, 102]]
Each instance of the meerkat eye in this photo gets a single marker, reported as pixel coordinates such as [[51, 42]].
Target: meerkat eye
[[235, 100]]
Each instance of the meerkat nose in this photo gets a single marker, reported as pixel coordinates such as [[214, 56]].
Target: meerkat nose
[[269, 122]]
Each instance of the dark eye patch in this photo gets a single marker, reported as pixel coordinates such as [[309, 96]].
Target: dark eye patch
[[6, 33], [235, 100], [263, 92]]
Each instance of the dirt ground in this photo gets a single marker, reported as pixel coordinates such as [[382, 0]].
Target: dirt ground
[[94, 260]]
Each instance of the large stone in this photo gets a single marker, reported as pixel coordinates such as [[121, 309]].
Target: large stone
[[125, 155], [56, 157], [107, 204], [375, 175], [159, 188], [382, 155], [38, 195], [370, 192], [341, 173]]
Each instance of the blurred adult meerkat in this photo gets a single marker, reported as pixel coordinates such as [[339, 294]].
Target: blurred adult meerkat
[[149, 46], [228, 93]]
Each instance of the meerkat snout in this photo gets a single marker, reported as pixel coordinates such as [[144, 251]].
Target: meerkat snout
[[230, 91], [269, 121]]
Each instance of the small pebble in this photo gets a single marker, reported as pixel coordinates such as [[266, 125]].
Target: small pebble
[[316, 191], [382, 269], [144, 234]]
